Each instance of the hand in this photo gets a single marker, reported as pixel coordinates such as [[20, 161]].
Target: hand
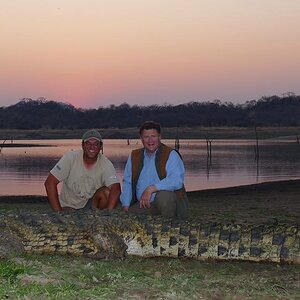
[[146, 196], [145, 203], [67, 208], [125, 208]]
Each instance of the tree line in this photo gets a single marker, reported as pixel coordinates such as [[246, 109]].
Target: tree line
[[48, 114]]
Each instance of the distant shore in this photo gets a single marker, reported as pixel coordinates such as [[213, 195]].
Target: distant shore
[[182, 132], [18, 145]]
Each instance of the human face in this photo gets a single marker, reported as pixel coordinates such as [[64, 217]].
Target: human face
[[151, 140], [91, 148]]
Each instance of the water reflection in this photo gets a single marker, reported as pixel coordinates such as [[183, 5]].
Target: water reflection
[[23, 170]]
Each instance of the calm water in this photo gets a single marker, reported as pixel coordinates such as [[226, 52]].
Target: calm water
[[24, 170]]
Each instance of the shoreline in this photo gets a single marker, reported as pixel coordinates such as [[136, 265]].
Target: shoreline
[[270, 186], [263, 186], [18, 145], [274, 202]]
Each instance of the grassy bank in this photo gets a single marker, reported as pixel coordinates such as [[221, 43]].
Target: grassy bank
[[171, 133], [58, 277]]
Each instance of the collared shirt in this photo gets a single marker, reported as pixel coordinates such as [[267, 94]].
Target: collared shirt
[[148, 176], [80, 183]]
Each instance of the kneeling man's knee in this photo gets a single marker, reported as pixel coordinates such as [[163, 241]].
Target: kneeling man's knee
[[100, 198], [165, 202]]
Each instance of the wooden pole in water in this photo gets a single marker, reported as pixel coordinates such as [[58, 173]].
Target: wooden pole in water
[[3, 144], [177, 143], [208, 149], [256, 149]]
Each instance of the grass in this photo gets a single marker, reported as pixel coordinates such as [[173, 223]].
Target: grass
[[57, 277], [10, 270]]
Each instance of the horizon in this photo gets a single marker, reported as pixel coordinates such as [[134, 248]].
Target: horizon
[[44, 100], [97, 53]]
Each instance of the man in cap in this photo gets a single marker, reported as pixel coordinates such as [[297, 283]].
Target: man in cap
[[89, 178]]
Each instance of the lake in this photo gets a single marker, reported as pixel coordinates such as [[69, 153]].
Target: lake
[[23, 170]]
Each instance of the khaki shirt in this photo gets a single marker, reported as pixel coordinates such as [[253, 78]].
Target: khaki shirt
[[80, 183]]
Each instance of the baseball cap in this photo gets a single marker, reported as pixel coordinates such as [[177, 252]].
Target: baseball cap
[[92, 134]]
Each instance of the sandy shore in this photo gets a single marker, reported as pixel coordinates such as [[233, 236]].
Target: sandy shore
[[269, 202]]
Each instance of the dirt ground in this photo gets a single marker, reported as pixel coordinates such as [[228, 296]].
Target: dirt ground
[[271, 202]]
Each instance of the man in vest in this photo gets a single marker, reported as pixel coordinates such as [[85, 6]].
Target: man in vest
[[153, 177]]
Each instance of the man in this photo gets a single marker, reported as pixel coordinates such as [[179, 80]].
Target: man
[[89, 178], [153, 177]]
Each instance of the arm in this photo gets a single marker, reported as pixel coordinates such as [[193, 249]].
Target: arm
[[126, 194], [146, 196], [59, 173], [175, 174], [173, 181], [52, 193], [114, 195]]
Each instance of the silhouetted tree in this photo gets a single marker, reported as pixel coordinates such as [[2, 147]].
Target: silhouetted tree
[[40, 113]]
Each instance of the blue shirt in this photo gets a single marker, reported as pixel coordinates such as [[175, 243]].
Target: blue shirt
[[148, 176]]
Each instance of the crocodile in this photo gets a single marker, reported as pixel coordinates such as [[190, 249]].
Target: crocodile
[[103, 234]]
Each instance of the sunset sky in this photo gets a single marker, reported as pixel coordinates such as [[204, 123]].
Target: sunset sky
[[93, 53]]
